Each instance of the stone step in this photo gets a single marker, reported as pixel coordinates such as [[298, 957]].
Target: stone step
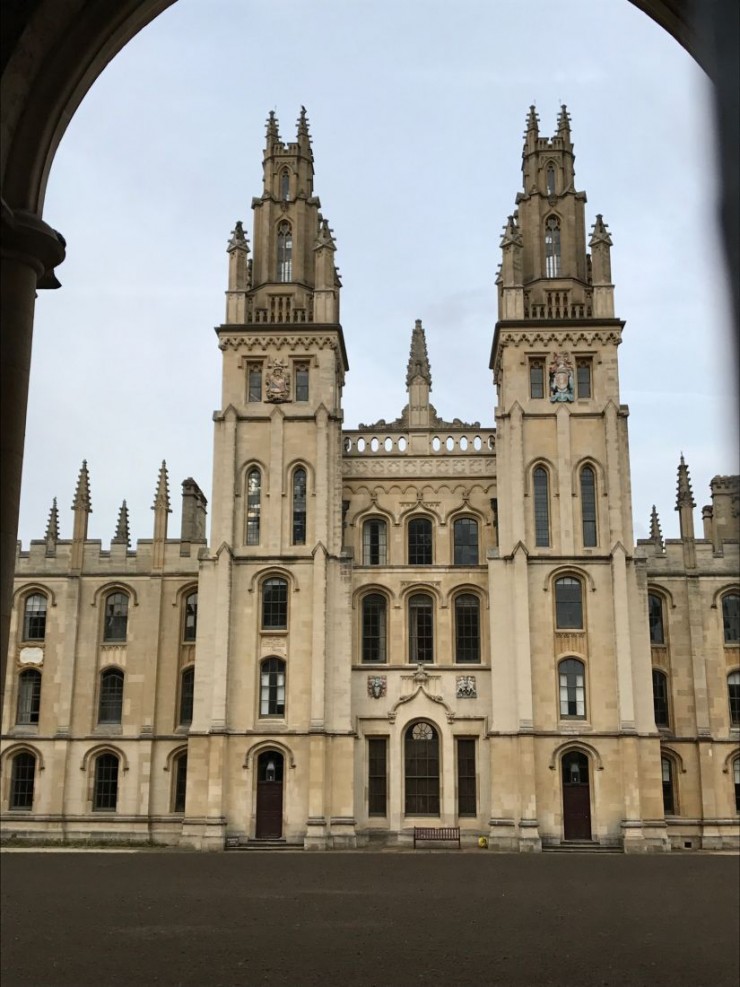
[[263, 845], [580, 846]]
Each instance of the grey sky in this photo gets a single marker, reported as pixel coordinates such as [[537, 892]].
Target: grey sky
[[417, 111]]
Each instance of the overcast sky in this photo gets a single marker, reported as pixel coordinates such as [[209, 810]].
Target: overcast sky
[[417, 110]]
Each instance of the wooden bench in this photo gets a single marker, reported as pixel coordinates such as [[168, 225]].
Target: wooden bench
[[433, 834]]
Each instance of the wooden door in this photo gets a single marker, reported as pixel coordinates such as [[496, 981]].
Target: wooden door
[[576, 797], [269, 796]]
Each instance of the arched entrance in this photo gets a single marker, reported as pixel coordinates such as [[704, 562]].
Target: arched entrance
[[269, 825], [576, 797]]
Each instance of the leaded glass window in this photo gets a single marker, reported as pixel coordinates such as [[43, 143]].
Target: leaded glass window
[[254, 505], [254, 382], [537, 379], [299, 507], [541, 507], [571, 674], [421, 628], [181, 782], [275, 604], [467, 628], [187, 691], [660, 698], [568, 603], [34, 618], [190, 622], [420, 541], [421, 755], [465, 535], [22, 779], [284, 252], [731, 618], [374, 632], [301, 382], [110, 707], [115, 617], [105, 790], [29, 697], [669, 794], [552, 247], [377, 776], [374, 542], [272, 687], [733, 690], [583, 378], [588, 507], [467, 802], [655, 619]]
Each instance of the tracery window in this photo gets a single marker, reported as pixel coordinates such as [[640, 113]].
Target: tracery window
[[190, 620], [421, 756], [374, 630], [285, 185], [572, 679], [115, 617], [254, 505], [467, 628], [552, 247], [421, 628], [284, 252], [29, 697], [105, 787], [299, 507], [588, 507], [655, 619], [374, 542], [274, 604], [272, 687], [465, 536], [34, 617], [550, 180], [420, 541], [110, 705], [660, 699], [22, 777], [568, 603], [541, 507], [731, 618]]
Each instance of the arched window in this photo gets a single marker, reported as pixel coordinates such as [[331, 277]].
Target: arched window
[[285, 185], [110, 707], [660, 699], [22, 777], [374, 630], [733, 692], [552, 247], [190, 619], [374, 542], [550, 180], [655, 617], [275, 604], [187, 688], [115, 617], [29, 697], [284, 252], [180, 781], [731, 618], [299, 507], [421, 756], [34, 618], [272, 687], [669, 786], [421, 628], [420, 541], [541, 507], [588, 507], [465, 536], [736, 781], [572, 678], [568, 603], [254, 505], [105, 790], [467, 629]]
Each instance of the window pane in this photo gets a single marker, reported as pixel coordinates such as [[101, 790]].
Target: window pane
[[181, 782], [420, 541], [572, 688], [284, 253], [421, 629], [733, 688], [655, 617], [588, 507], [660, 698], [377, 782], [29, 697], [105, 794], [583, 378], [275, 604], [299, 507], [374, 635], [666, 767], [254, 506], [301, 382], [111, 696], [187, 688], [116, 617], [537, 379], [421, 749], [731, 618], [568, 606], [374, 542], [467, 628], [191, 617], [254, 382], [34, 618], [466, 541], [21, 781], [272, 687], [541, 508], [552, 248], [467, 804]]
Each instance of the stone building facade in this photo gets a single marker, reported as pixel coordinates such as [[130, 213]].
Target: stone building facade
[[416, 622]]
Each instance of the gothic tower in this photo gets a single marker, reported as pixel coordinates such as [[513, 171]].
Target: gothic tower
[[270, 641], [565, 565]]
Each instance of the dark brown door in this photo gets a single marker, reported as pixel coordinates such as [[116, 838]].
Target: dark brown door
[[576, 797], [269, 796]]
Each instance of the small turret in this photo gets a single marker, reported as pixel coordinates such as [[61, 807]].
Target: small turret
[[122, 535], [532, 131], [272, 132], [601, 269], [51, 536], [656, 534], [419, 379], [239, 276], [564, 124], [161, 508], [304, 138], [685, 505], [512, 292], [326, 279], [82, 507], [194, 503]]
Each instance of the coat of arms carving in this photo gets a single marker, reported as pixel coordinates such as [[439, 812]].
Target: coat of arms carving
[[466, 687], [376, 686], [277, 383], [561, 377]]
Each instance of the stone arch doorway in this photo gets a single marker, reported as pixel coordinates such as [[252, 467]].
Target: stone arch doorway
[[576, 796], [269, 814]]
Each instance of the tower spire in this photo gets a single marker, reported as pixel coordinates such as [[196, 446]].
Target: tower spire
[[161, 508], [82, 491], [82, 507], [564, 122], [240, 280], [122, 535], [685, 505], [162, 495], [51, 536], [418, 366], [273, 133], [656, 534], [302, 128], [533, 121]]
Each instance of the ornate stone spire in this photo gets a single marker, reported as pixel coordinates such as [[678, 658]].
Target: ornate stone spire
[[122, 535], [52, 525], [685, 505], [656, 534], [684, 493], [533, 122], [302, 130], [162, 495], [82, 500], [273, 134], [418, 358], [512, 233], [238, 239], [600, 232], [324, 237], [161, 508], [564, 122]]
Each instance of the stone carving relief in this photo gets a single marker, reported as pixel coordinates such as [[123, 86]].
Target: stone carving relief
[[277, 382], [377, 686], [419, 467], [466, 687], [561, 377]]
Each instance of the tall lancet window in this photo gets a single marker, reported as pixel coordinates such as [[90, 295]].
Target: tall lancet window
[[284, 252], [550, 180], [299, 507], [254, 497], [541, 508], [285, 185], [552, 247]]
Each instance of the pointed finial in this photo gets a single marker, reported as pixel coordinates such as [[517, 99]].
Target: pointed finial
[[533, 121], [684, 493], [512, 233], [273, 133], [82, 492], [122, 536], [563, 120], [52, 525], [238, 239], [418, 358], [600, 233], [324, 237], [303, 123], [162, 496], [656, 534]]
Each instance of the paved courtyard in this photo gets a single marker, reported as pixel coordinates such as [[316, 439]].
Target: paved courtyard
[[426, 918]]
